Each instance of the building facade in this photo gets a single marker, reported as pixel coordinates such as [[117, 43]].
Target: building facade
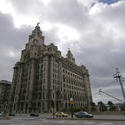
[[43, 79], [4, 95]]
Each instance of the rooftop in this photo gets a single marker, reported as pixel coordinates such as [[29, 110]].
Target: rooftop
[[5, 82]]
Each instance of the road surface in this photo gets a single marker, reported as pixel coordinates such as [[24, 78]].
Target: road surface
[[37, 121]]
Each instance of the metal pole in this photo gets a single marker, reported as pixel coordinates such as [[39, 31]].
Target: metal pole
[[52, 104], [71, 103], [123, 92], [118, 76]]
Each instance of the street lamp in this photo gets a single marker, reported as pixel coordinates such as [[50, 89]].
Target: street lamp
[[71, 102], [52, 104]]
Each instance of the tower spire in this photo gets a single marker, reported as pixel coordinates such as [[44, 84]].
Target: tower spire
[[37, 35], [38, 23], [70, 56]]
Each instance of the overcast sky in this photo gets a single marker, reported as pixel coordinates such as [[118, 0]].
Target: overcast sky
[[94, 30]]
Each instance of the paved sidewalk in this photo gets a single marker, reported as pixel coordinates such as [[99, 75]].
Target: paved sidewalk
[[121, 117]]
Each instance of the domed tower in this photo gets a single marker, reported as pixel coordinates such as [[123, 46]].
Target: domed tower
[[36, 36], [70, 57]]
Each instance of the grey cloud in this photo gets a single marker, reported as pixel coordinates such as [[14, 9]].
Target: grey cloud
[[50, 36], [111, 12], [68, 12], [10, 36], [11, 40], [29, 7]]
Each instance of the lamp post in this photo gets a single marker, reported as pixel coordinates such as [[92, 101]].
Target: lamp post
[[52, 104], [71, 102], [118, 77]]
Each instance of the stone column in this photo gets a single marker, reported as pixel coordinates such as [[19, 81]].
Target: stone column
[[32, 72], [18, 86]]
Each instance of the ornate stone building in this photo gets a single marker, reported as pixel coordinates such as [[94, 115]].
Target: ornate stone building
[[43, 79], [4, 95]]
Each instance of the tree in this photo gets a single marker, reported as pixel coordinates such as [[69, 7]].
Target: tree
[[93, 107], [102, 106], [111, 106], [122, 107]]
